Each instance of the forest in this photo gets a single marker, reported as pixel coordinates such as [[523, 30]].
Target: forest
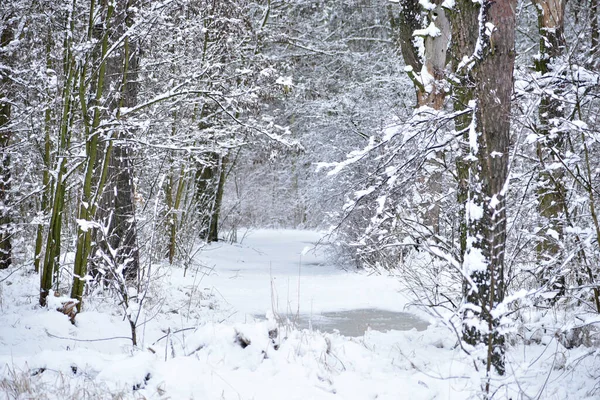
[[191, 189]]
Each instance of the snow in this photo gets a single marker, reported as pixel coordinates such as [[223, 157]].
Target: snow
[[352, 158], [580, 124], [431, 30], [427, 79], [427, 5], [554, 234], [489, 28], [474, 211], [473, 144], [475, 261], [449, 4], [494, 201], [85, 225], [215, 334], [284, 81], [272, 271]]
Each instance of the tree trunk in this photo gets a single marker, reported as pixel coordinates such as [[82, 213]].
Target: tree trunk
[[427, 74], [119, 195], [594, 11], [88, 202], [121, 232], [119, 242], [551, 189], [403, 28], [429, 79], [489, 72], [6, 36], [464, 36], [46, 193], [206, 194], [213, 233], [53, 239], [174, 204]]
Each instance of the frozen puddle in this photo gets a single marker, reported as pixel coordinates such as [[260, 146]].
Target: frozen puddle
[[356, 322]]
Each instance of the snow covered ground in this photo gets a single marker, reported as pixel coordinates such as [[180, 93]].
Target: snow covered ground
[[283, 272], [220, 332]]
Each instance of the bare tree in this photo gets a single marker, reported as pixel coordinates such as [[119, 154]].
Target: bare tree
[[6, 36], [485, 33], [117, 201], [551, 188], [50, 267]]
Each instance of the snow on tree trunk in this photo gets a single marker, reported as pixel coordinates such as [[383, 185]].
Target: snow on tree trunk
[[464, 36], [488, 70], [209, 179], [118, 197], [424, 50], [88, 204], [551, 190], [425, 54], [51, 264], [6, 36]]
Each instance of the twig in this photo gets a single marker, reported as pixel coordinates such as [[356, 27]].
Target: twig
[[86, 340], [172, 333], [12, 272]]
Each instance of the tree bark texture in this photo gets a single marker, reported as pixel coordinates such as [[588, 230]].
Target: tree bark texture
[[51, 263], [403, 27], [427, 72], [551, 188], [46, 196], [6, 36], [118, 200], [208, 195], [93, 182], [174, 200], [464, 20], [594, 11], [213, 233], [488, 75]]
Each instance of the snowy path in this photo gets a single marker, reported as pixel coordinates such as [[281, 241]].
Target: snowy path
[[280, 271], [196, 345]]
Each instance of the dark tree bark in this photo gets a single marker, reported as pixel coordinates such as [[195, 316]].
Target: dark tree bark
[[119, 194], [551, 189], [109, 171], [119, 202], [428, 75], [464, 37], [594, 16], [6, 36], [46, 197], [210, 181], [488, 77], [213, 232], [93, 181], [403, 27]]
